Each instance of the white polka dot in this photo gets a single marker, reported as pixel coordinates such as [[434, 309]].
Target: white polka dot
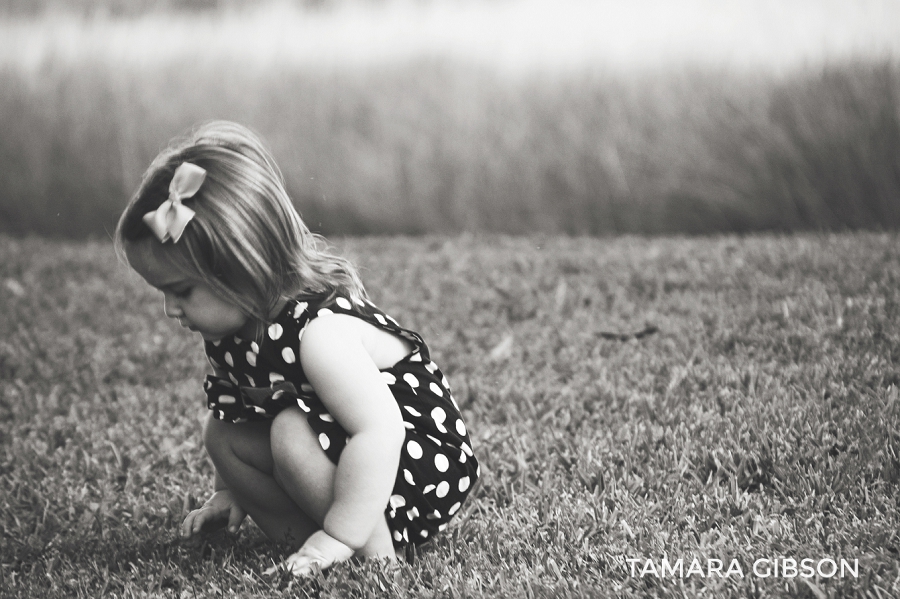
[[441, 462], [299, 309], [428, 489], [259, 410], [287, 354], [226, 399], [465, 447], [412, 411], [391, 319], [326, 417], [221, 415], [423, 533], [233, 378], [343, 303], [442, 527], [435, 440], [397, 536], [414, 450], [455, 405], [409, 425], [389, 378], [454, 508], [357, 301], [461, 428], [439, 416], [436, 389], [478, 470], [274, 377], [411, 380], [406, 535], [416, 357], [228, 359], [302, 405], [238, 340], [442, 489], [464, 483], [277, 394], [324, 312], [431, 367], [412, 513], [380, 319], [462, 457], [435, 515], [408, 476], [251, 358], [250, 379], [445, 382], [254, 346], [397, 501], [213, 363], [276, 331], [217, 342], [324, 441]]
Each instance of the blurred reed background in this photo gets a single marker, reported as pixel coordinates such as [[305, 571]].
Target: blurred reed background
[[476, 115]]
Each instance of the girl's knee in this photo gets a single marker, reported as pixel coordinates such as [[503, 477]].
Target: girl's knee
[[214, 439], [247, 443], [290, 433], [299, 463]]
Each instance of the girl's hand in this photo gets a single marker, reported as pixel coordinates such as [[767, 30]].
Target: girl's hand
[[219, 510], [320, 550]]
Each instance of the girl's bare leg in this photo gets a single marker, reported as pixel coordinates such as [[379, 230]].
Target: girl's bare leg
[[243, 460], [280, 475], [304, 471]]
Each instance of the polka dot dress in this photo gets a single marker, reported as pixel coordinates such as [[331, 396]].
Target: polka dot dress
[[437, 467]]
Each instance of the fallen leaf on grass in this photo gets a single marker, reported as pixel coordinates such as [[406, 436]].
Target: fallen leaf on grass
[[14, 287], [648, 330], [502, 350]]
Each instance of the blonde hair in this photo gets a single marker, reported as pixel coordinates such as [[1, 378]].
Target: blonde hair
[[246, 241]]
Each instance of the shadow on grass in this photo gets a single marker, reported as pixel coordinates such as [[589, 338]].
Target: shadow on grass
[[158, 563], [122, 562]]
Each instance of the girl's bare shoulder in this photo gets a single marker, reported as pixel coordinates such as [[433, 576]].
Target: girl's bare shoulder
[[384, 348]]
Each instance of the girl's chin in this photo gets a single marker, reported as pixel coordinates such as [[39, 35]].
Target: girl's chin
[[245, 331], [217, 336]]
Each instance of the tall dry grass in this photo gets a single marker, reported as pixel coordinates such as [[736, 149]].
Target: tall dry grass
[[443, 145]]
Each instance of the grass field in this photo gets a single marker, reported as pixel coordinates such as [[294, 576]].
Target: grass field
[[448, 117], [760, 420]]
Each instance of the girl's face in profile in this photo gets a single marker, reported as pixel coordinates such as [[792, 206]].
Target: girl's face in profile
[[196, 306]]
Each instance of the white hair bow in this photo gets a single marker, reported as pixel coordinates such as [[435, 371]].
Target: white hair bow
[[169, 220]]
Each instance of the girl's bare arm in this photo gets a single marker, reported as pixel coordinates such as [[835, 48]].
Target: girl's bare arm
[[348, 382]]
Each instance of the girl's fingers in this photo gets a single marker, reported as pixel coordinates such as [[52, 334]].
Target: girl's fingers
[[299, 564], [199, 520], [195, 521], [187, 527], [302, 565], [297, 568], [235, 517]]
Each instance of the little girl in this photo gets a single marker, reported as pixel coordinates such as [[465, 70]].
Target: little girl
[[329, 424]]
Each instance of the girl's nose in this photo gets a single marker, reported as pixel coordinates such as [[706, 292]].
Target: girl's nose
[[171, 307]]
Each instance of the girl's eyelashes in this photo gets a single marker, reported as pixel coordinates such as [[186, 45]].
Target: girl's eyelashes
[[179, 292]]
